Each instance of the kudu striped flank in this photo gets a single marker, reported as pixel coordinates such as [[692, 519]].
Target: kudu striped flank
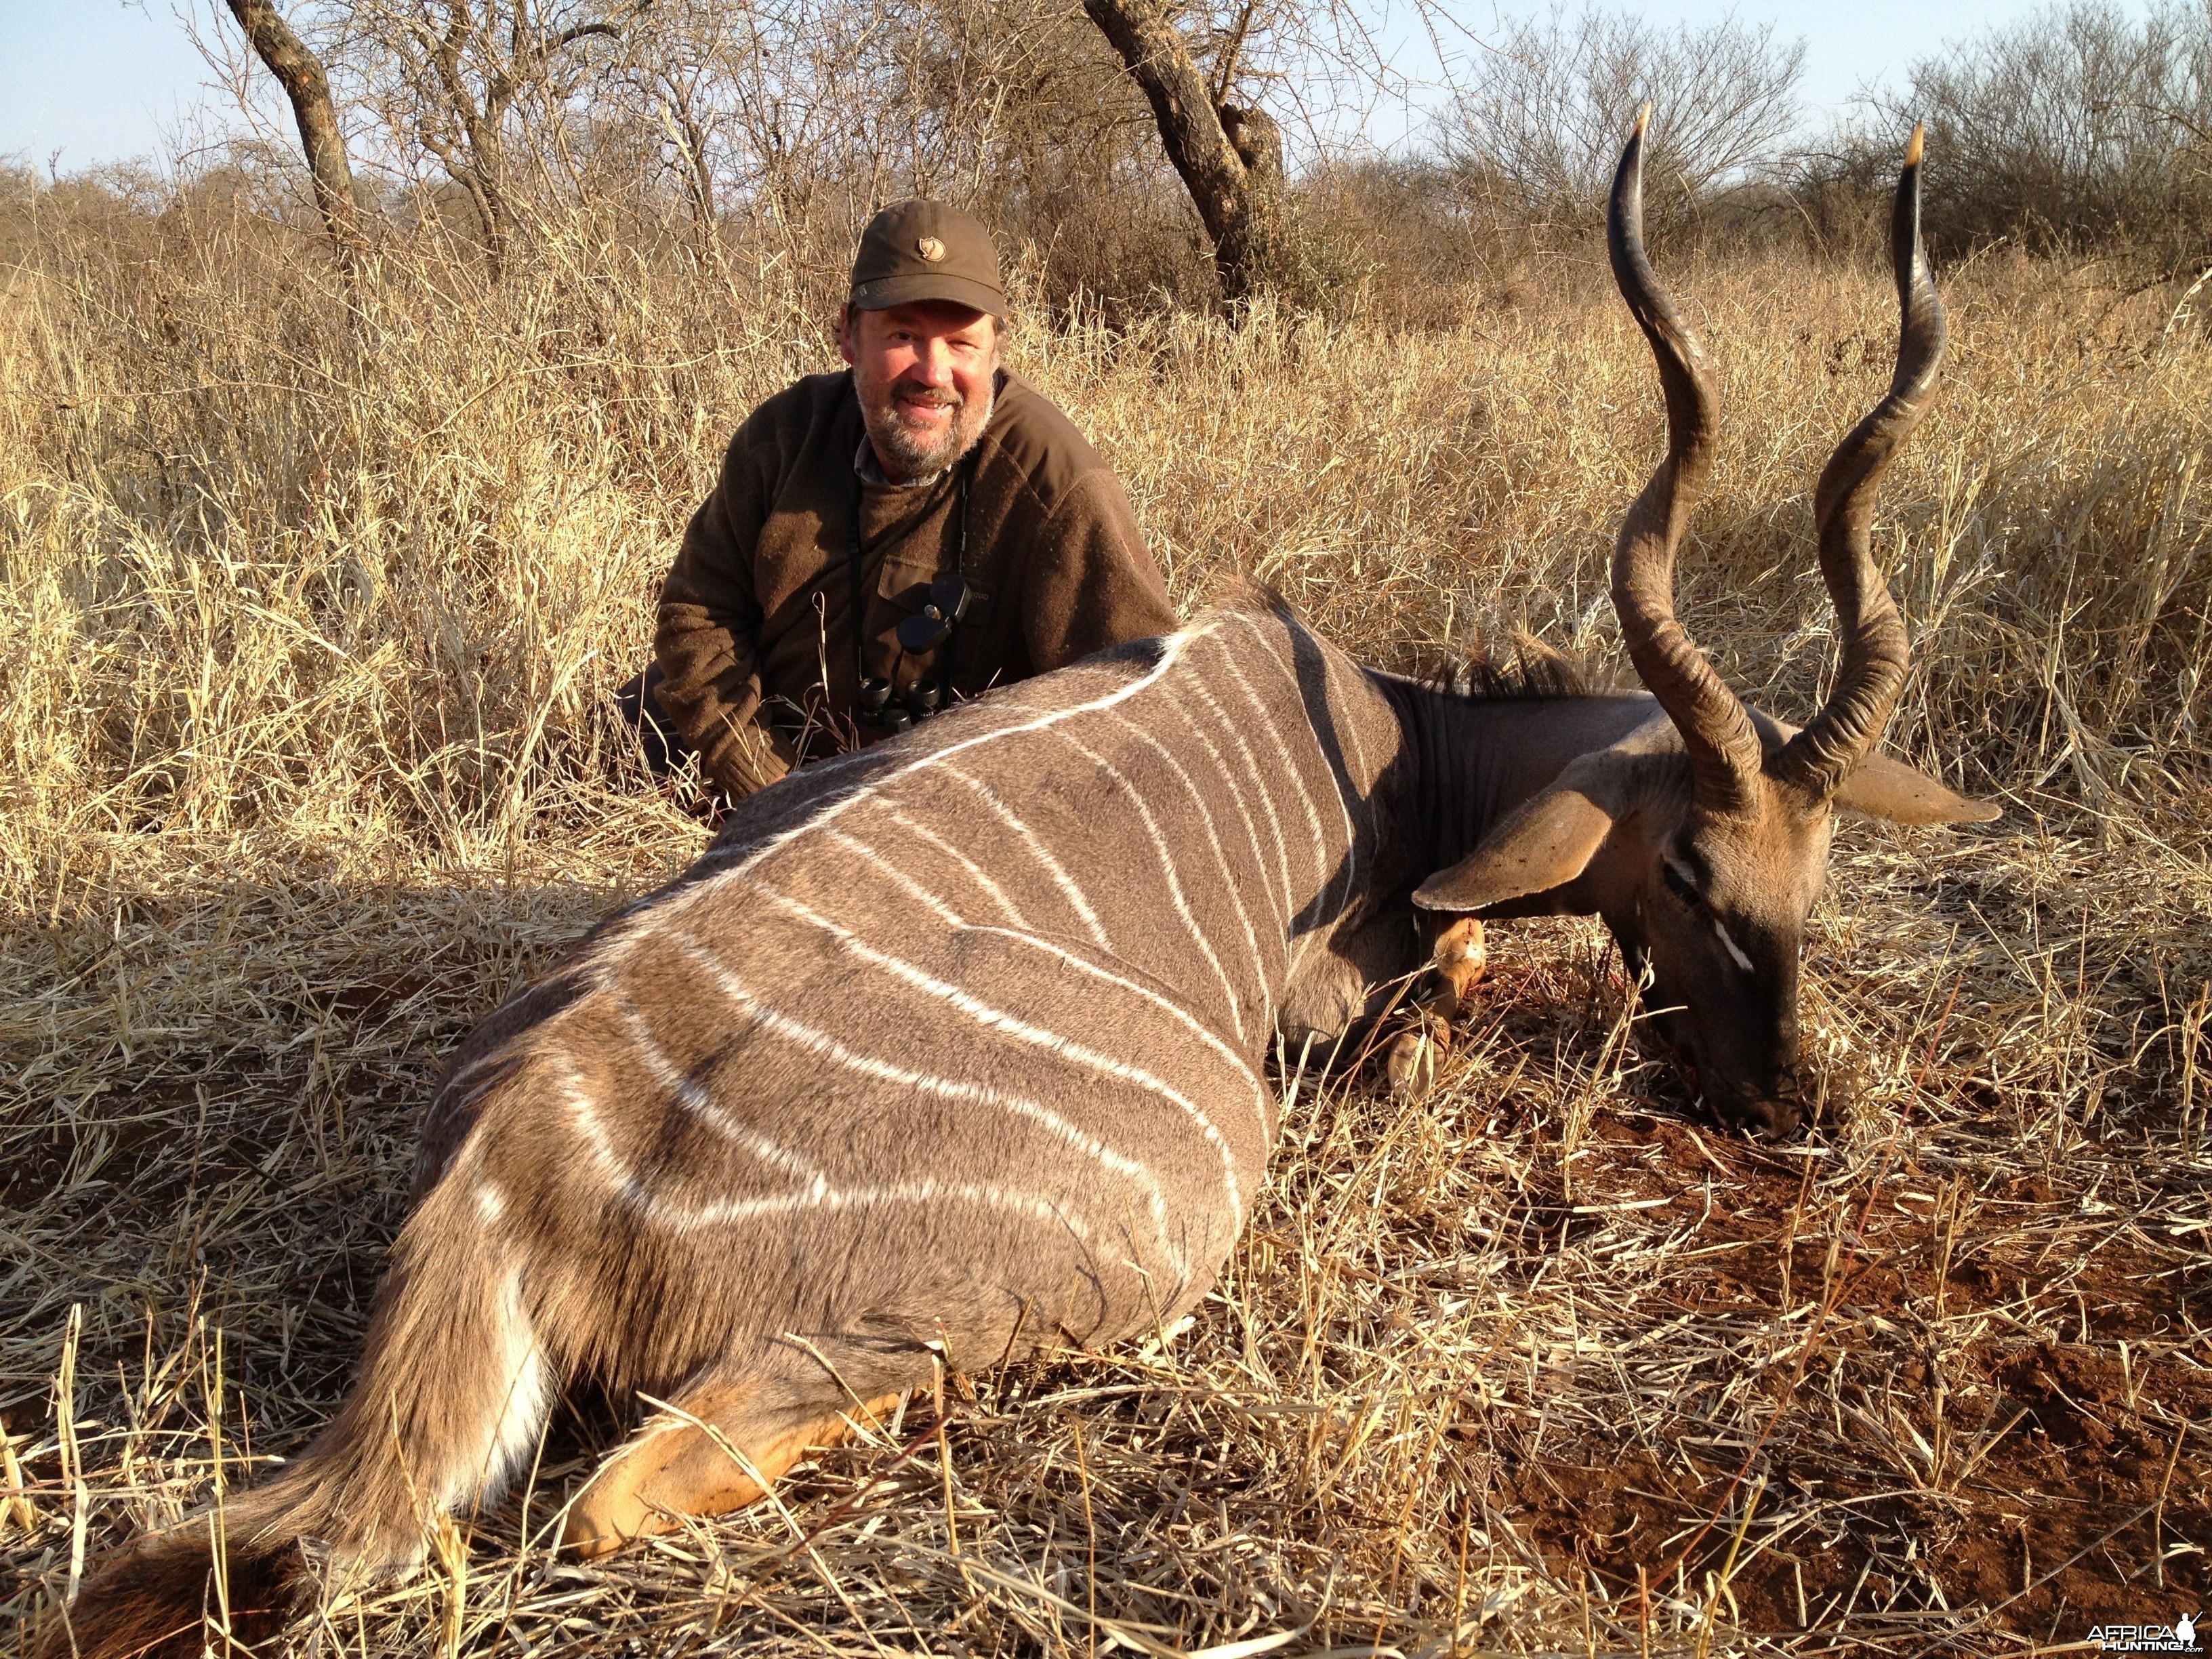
[[955, 1047]]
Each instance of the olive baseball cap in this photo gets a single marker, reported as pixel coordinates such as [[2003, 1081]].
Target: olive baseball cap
[[920, 250]]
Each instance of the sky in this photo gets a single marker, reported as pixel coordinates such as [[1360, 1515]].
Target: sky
[[87, 82]]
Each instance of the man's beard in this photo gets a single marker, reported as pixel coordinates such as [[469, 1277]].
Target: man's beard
[[907, 452]]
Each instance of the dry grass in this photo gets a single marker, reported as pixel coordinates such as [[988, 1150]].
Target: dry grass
[[308, 627]]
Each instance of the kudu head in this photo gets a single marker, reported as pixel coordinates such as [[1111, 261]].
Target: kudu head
[[1702, 837]]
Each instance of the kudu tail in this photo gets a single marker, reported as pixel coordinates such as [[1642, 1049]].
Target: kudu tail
[[454, 1388]]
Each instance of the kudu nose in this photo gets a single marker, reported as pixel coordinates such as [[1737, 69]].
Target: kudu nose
[[1766, 1119], [1771, 1110], [1765, 1114]]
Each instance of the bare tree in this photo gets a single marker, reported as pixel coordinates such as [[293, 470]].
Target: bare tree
[[783, 124], [1229, 157], [678, 85], [301, 72], [1541, 115], [804, 116], [459, 78]]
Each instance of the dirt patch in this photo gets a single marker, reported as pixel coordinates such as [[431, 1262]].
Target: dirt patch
[[1932, 1431]]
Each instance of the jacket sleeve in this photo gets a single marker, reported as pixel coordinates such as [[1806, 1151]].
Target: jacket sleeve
[[1096, 585], [707, 637]]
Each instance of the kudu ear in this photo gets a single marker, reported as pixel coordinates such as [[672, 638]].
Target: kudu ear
[[1881, 787], [1545, 843]]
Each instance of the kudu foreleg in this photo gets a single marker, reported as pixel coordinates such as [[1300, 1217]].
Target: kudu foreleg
[[1410, 1024], [721, 1448]]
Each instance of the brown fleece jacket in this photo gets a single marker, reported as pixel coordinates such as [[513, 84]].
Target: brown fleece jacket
[[758, 608]]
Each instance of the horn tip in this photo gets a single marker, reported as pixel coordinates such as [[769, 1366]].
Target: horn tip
[[1643, 117], [1918, 143]]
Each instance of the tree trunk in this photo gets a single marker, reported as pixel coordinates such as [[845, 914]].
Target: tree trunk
[[299, 72], [1231, 159]]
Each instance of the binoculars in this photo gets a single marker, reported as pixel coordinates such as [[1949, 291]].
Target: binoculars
[[928, 629], [878, 710]]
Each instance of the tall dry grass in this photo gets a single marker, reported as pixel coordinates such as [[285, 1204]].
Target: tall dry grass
[[312, 594], [284, 557]]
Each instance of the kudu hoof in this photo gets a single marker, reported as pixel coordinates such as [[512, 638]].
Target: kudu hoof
[[1461, 956]]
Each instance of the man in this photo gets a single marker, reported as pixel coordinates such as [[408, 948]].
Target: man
[[927, 481]]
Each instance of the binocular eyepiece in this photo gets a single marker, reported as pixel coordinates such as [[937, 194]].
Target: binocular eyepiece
[[922, 699]]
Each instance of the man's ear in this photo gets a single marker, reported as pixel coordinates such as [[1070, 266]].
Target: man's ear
[[847, 345], [1547, 842], [1881, 787]]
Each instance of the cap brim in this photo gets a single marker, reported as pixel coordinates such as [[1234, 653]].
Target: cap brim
[[884, 292]]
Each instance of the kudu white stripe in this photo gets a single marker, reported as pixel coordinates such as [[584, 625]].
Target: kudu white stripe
[[1052, 866], [1062, 953], [1278, 904], [1230, 883], [1351, 873], [1131, 729], [1232, 1002], [999, 1020], [1023, 935], [1175, 1010], [899, 879], [696, 1100], [981, 877], [1172, 649], [1252, 772], [824, 1046], [663, 1211]]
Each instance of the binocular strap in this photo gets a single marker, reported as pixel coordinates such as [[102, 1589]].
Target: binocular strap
[[864, 684]]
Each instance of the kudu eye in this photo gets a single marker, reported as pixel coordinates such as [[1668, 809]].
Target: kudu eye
[[1680, 883]]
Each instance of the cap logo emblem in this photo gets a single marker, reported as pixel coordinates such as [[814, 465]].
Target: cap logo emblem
[[930, 249]]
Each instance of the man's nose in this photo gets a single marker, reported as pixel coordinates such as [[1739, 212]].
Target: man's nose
[[933, 363]]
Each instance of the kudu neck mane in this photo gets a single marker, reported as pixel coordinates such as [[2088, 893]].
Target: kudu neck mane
[[1536, 673], [1484, 736]]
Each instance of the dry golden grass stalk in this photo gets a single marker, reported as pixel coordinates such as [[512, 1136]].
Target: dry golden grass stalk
[[308, 613]]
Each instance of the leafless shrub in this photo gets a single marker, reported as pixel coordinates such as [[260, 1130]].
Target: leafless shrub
[[2082, 128], [1541, 120], [1401, 242]]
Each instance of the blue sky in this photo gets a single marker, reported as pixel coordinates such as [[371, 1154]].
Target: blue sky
[[99, 81]]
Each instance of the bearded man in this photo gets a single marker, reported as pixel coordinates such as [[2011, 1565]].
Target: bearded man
[[888, 539]]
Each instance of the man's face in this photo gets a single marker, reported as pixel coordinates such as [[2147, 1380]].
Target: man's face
[[923, 373]]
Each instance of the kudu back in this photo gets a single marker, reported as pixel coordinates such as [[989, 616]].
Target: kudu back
[[955, 1049]]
